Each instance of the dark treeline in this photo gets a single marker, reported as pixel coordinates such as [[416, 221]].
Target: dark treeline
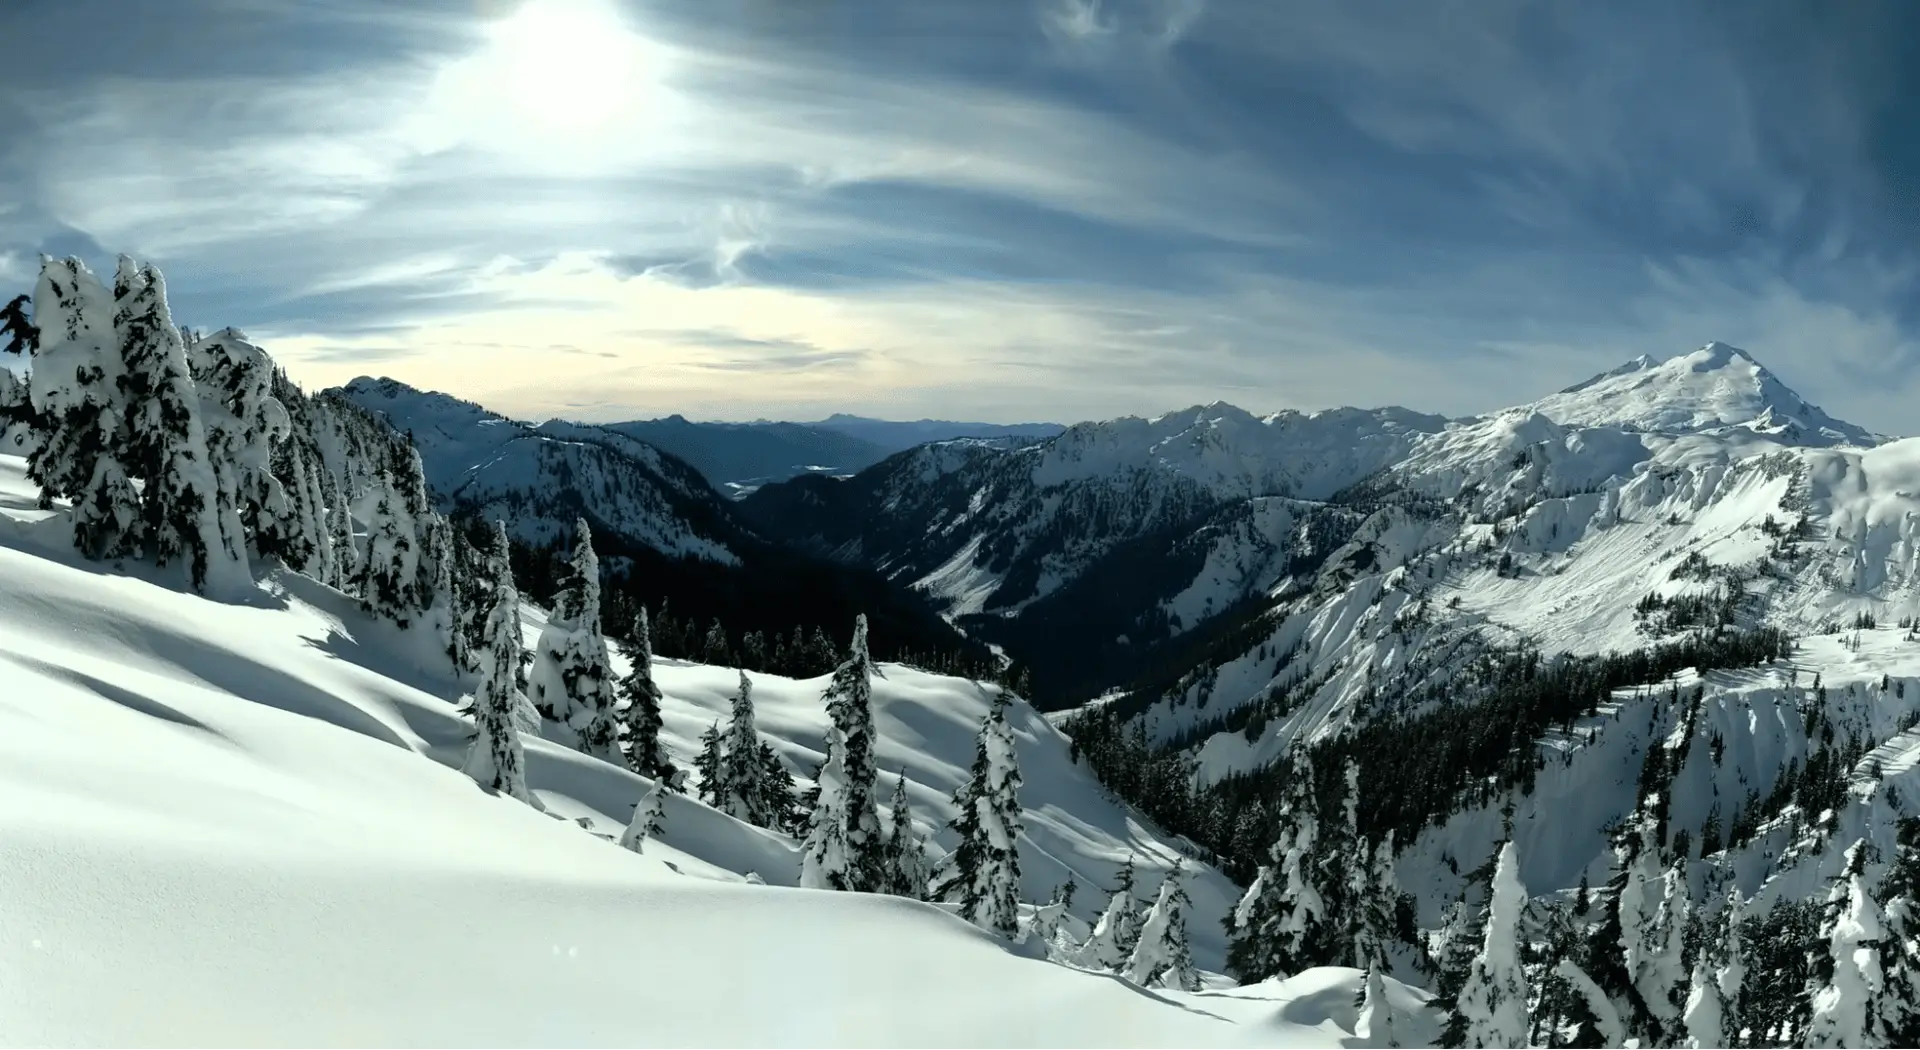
[[790, 616], [1420, 767]]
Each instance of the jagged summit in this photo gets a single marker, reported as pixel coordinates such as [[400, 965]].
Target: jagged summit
[[1716, 387]]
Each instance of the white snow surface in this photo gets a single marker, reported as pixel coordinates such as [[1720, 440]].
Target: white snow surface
[[243, 824]]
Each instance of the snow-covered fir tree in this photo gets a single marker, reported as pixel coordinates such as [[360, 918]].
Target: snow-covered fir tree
[[243, 423], [167, 448], [1280, 925], [745, 788], [308, 545], [982, 874], [1376, 1023], [445, 612], [77, 395], [906, 853], [19, 423], [1900, 947], [389, 568], [1375, 897], [1117, 931], [572, 679], [826, 861], [1847, 1011], [641, 696], [1713, 990], [496, 760], [1493, 1002], [1162, 958], [346, 556], [649, 817], [1655, 958], [852, 854]]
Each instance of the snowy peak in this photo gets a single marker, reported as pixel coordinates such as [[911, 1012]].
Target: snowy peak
[[1716, 388]]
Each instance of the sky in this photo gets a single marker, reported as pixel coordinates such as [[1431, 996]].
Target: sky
[[991, 209]]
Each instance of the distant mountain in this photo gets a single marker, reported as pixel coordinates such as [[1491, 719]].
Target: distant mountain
[[740, 456], [651, 512], [1121, 546], [898, 437]]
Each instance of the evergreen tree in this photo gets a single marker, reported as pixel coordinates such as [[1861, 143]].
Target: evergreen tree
[[1117, 932], [1161, 957], [982, 874], [496, 759], [1281, 925], [645, 755], [857, 842], [166, 446], [444, 611], [1493, 1002], [744, 789], [649, 816], [1376, 1023], [309, 545], [346, 557], [75, 389], [389, 570], [1374, 895], [243, 421], [1900, 947], [906, 854], [826, 859], [572, 678], [1846, 1008], [19, 423], [707, 765], [777, 789], [1714, 986]]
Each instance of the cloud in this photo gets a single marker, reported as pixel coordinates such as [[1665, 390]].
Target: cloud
[[1054, 209]]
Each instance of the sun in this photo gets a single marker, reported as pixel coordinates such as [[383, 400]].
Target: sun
[[568, 65], [559, 80]]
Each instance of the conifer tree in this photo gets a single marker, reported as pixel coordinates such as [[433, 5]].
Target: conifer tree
[[906, 853], [777, 788], [1117, 932], [444, 610], [1847, 1011], [243, 422], [308, 546], [649, 817], [982, 874], [1161, 958], [826, 861], [496, 760], [572, 678], [1900, 947], [1376, 1024], [1493, 1002], [346, 557], [745, 790], [1281, 923], [851, 856], [389, 573], [1713, 989], [707, 765], [166, 446], [75, 391], [645, 755], [19, 423]]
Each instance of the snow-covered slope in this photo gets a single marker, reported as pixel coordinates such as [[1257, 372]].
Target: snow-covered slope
[[243, 821]]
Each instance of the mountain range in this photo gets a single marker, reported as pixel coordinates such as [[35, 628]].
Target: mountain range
[[1238, 586]]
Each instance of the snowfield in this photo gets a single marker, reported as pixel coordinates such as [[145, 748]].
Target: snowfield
[[241, 824]]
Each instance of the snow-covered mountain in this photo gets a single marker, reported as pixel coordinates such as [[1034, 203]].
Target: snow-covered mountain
[[218, 808], [540, 478]]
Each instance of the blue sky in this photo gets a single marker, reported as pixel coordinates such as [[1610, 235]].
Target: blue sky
[[999, 209]]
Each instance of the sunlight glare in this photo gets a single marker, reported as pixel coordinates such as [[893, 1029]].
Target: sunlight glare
[[557, 78]]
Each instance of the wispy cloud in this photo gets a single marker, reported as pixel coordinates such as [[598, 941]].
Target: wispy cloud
[[1054, 208]]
